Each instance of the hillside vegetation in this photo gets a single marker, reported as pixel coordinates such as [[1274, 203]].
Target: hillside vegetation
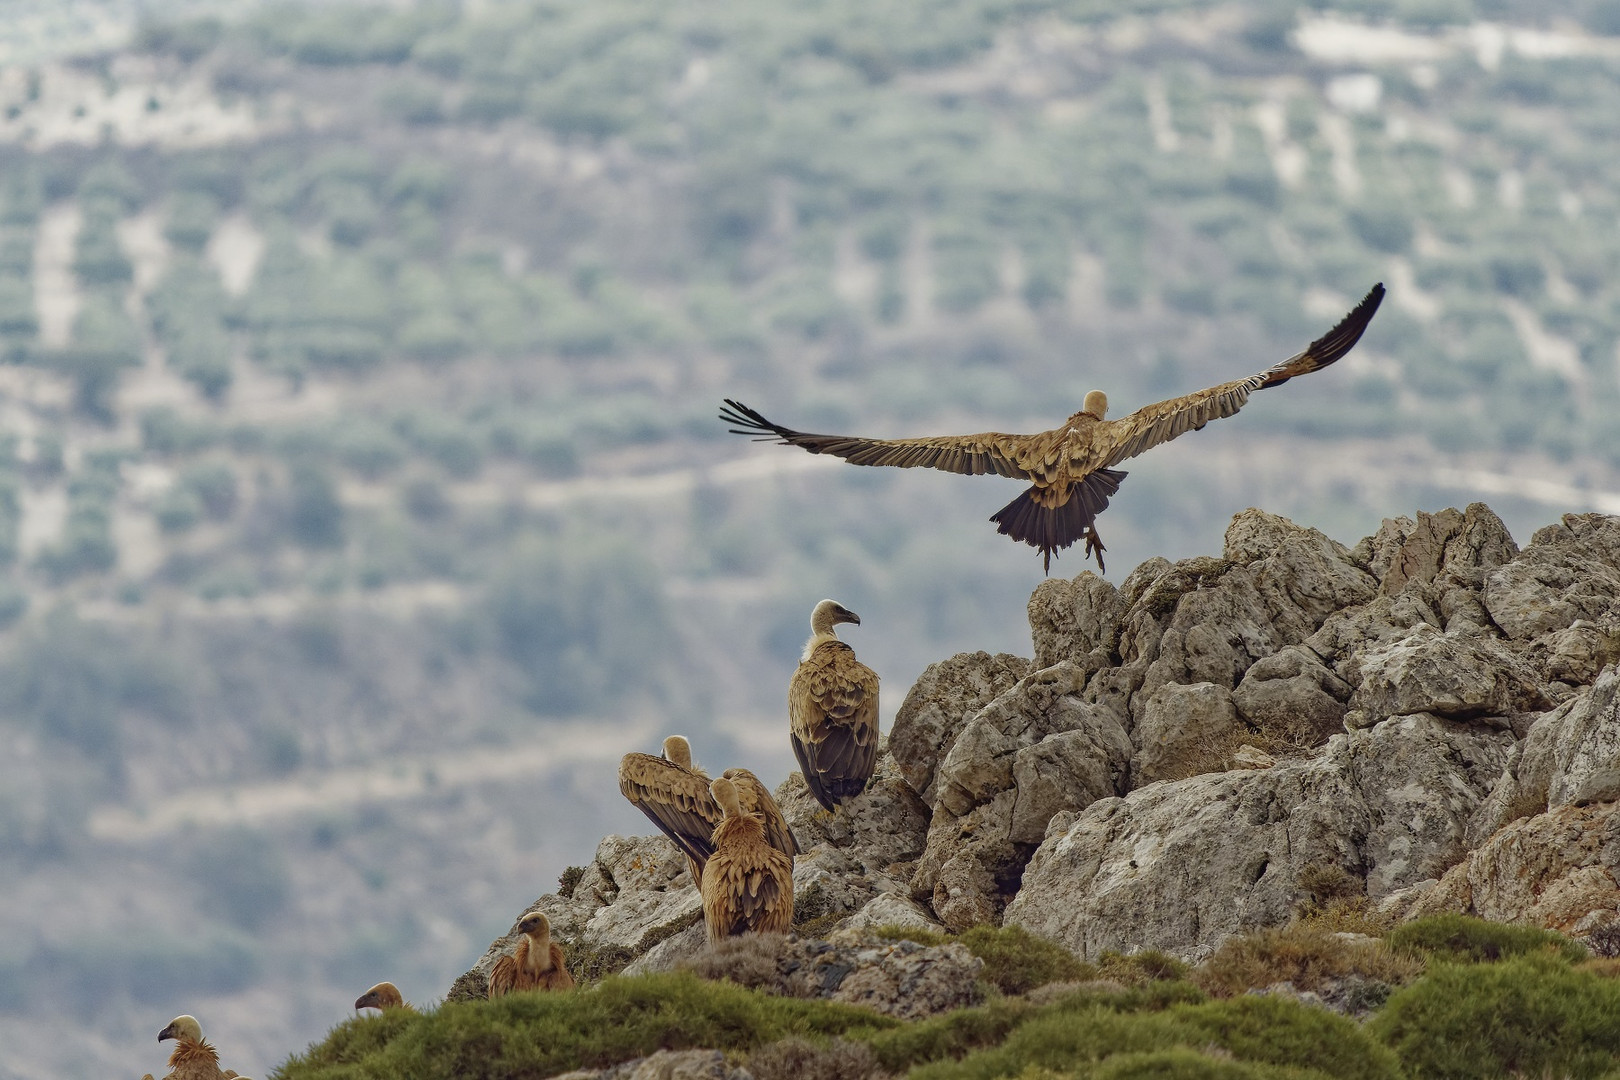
[[1532, 1011]]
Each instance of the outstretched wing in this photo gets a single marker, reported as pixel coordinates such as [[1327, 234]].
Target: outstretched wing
[[971, 455], [1161, 422], [676, 800]]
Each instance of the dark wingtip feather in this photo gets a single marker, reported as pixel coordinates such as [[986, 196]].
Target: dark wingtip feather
[[1343, 337]]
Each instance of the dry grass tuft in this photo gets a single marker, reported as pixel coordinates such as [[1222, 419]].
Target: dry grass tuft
[[1304, 954], [1140, 968], [800, 1059]]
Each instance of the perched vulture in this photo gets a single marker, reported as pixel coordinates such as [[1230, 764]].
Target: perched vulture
[[833, 711], [193, 1057], [747, 883], [537, 963], [1069, 466], [383, 996], [675, 796]]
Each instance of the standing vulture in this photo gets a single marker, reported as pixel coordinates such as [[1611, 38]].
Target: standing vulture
[[1068, 466], [536, 964], [833, 711], [675, 796], [747, 883], [383, 997], [193, 1058]]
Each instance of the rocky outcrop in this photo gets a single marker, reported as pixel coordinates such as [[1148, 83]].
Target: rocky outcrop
[[1432, 716]]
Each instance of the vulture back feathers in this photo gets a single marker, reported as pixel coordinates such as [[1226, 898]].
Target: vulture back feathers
[[675, 796], [536, 964], [747, 883], [1070, 466], [833, 711]]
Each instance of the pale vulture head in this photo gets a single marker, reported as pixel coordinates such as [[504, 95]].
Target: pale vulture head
[[1096, 404], [535, 924], [182, 1028], [678, 750], [385, 995], [828, 614]]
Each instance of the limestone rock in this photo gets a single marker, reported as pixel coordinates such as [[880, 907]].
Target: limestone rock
[[1451, 548], [1298, 569], [1181, 865], [1570, 571], [1183, 731], [1292, 698], [900, 978], [1070, 620], [1560, 870], [668, 1065], [1421, 779], [1571, 757], [1455, 674], [910, 981], [1034, 751], [941, 702]]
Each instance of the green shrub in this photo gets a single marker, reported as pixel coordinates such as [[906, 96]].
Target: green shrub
[[1305, 954], [1016, 961], [1281, 1031], [1530, 1015], [546, 1034], [1470, 940], [1183, 1064]]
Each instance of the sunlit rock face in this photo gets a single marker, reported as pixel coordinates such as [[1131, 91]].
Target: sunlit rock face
[[1430, 718]]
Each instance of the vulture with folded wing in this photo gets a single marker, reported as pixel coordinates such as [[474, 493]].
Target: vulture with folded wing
[[1069, 467], [675, 796], [536, 964], [833, 711], [384, 996], [747, 883]]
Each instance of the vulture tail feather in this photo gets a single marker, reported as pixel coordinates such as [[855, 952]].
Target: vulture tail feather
[[1051, 530]]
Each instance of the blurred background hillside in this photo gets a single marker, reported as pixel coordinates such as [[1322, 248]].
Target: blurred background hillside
[[361, 492]]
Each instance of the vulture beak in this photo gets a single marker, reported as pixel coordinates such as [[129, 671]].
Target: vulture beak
[[166, 1033], [846, 615], [363, 1002]]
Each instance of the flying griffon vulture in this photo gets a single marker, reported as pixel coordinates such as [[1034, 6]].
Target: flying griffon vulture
[[675, 796], [833, 711], [384, 996], [1070, 466], [536, 964], [193, 1058], [747, 883]]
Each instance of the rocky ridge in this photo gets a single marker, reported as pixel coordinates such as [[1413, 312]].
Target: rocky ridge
[[1430, 718]]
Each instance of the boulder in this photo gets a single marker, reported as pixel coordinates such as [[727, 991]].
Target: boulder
[[1072, 620], [1570, 571], [1560, 870], [1181, 731], [941, 702], [1291, 698], [1459, 674], [1037, 749], [1181, 865]]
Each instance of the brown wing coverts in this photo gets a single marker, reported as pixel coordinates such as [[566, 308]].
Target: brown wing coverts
[[833, 714], [1164, 420], [676, 800], [970, 455]]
